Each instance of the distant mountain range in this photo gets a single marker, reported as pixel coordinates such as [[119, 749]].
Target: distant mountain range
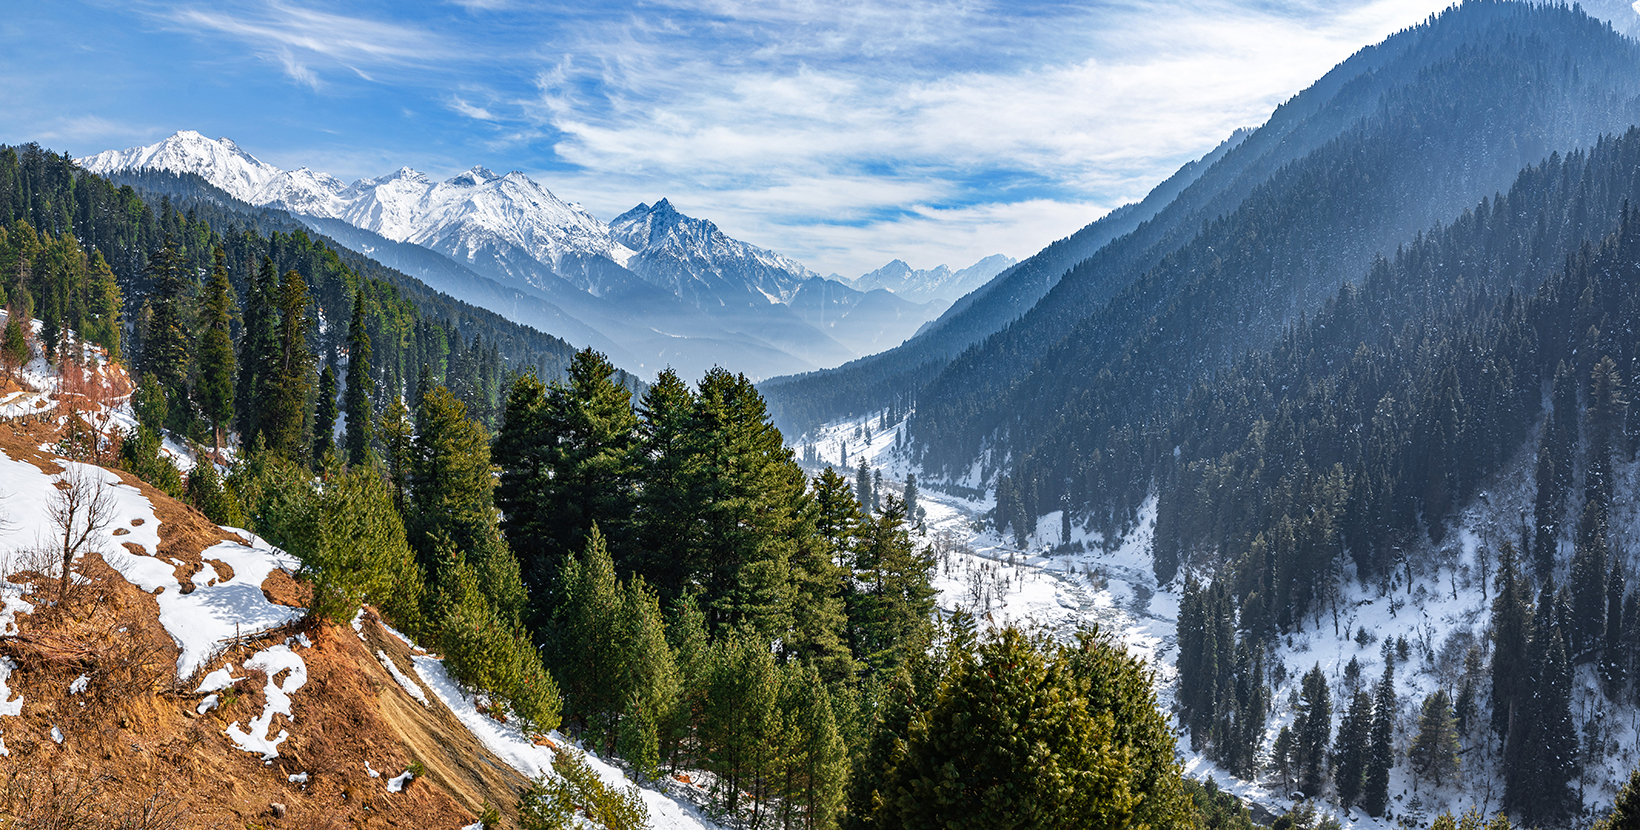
[[652, 288]]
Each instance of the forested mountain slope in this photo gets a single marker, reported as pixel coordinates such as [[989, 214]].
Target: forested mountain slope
[[1525, 81], [1401, 135]]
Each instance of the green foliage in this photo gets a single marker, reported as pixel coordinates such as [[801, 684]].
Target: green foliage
[[350, 541], [149, 402], [356, 398], [217, 366], [1215, 808], [1625, 813], [1472, 819], [140, 456], [290, 378], [14, 350], [1312, 731], [324, 419], [889, 611], [567, 458], [573, 793], [1434, 752], [1014, 740], [206, 494]]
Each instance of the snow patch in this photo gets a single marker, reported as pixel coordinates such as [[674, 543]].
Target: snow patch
[[9, 706], [409, 686], [79, 684], [397, 782], [275, 661]]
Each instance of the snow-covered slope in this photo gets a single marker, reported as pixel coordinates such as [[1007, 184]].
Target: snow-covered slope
[[697, 261], [658, 288], [938, 283]]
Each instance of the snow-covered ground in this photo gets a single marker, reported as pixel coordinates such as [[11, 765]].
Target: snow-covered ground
[[1441, 612]]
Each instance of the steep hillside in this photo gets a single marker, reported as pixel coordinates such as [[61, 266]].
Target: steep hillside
[[1309, 226], [170, 677], [1401, 135]]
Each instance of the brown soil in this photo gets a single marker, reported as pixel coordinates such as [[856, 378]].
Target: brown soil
[[133, 738]]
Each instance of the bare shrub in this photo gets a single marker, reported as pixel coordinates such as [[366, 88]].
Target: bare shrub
[[82, 508]]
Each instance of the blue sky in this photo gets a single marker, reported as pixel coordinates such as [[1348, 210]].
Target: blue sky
[[842, 133]]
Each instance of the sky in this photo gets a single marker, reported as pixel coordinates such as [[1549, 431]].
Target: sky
[[842, 133]]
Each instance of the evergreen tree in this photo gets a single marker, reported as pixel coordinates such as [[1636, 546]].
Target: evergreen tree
[[665, 521], [167, 347], [1381, 748], [324, 418], [651, 682], [1351, 749], [910, 499], [1312, 731], [451, 481], [214, 388], [1015, 741], [356, 399], [1434, 753], [862, 486], [1625, 813], [814, 758], [1614, 651], [285, 407], [398, 433], [103, 304], [258, 353], [748, 496], [740, 726], [889, 610], [567, 454], [1511, 634]]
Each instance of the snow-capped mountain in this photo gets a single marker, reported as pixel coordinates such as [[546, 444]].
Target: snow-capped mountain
[[939, 283], [661, 287], [697, 261]]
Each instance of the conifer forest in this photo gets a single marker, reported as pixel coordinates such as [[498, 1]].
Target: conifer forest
[[1302, 491]]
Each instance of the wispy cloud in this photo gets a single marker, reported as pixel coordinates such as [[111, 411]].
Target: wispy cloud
[[299, 39], [844, 132]]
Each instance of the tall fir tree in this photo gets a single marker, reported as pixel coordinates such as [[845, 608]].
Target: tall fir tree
[[285, 407], [1349, 761], [324, 418], [1434, 752], [1381, 747], [258, 354], [214, 387], [1312, 732], [356, 399], [1511, 634], [167, 348], [567, 454]]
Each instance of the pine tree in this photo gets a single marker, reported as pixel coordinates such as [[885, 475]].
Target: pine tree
[[877, 490], [167, 348], [214, 388], [451, 481], [356, 400], [665, 521], [651, 684], [1351, 749], [1614, 652], [1588, 582], [889, 613], [1511, 634], [1381, 749], [862, 485], [103, 305], [1312, 731], [1434, 753], [258, 354], [397, 433], [814, 759], [567, 454], [324, 419], [910, 499], [740, 726], [285, 407], [1016, 741]]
